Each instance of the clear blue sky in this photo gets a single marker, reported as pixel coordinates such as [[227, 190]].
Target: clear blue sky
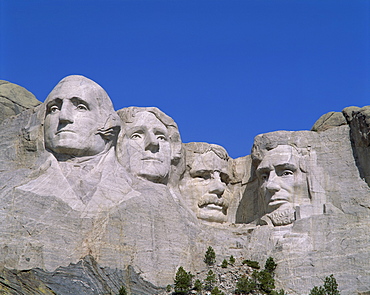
[[224, 70]]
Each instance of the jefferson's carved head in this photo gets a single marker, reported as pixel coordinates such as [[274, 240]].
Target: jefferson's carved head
[[283, 179], [205, 180], [150, 143], [80, 119]]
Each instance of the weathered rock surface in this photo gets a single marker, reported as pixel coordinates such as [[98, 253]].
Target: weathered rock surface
[[84, 278], [329, 120], [77, 221], [14, 99]]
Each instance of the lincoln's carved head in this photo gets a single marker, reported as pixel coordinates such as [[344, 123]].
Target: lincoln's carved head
[[80, 119], [205, 180], [150, 143], [283, 179]]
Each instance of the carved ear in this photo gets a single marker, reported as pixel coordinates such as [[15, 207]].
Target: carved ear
[[111, 128], [176, 152], [176, 145]]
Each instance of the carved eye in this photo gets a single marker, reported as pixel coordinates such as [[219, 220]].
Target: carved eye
[[161, 137], [135, 136], [53, 109], [225, 178], [81, 107], [287, 173], [204, 175], [264, 176]]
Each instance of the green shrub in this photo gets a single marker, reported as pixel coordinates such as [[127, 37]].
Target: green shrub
[[122, 291], [251, 263], [210, 256], [217, 291], [232, 259], [224, 263]]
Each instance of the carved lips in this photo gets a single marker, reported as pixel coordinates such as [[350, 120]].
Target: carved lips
[[212, 201]]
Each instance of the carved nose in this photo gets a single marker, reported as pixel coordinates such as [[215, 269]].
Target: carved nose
[[151, 143], [217, 186], [65, 114], [272, 184]]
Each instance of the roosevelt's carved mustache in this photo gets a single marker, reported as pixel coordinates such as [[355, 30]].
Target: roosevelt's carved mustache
[[213, 199]]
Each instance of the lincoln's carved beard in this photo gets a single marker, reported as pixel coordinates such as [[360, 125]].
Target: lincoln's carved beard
[[282, 217]]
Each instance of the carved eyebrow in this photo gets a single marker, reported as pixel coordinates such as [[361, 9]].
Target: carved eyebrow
[[199, 172], [134, 129], [55, 101], [157, 130], [76, 100], [288, 166], [263, 170]]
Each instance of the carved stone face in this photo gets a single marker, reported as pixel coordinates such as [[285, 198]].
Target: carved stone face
[[203, 187], [146, 147], [283, 184], [72, 120]]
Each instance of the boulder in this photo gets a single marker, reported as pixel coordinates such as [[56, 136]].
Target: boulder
[[14, 99]]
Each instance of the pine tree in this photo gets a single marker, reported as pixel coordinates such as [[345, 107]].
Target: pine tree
[[210, 280], [270, 265], [224, 263], [122, 291], [317, 291], [210, 257], [232, 259], [198, 286], [183, 281], [245, 285], [217, 291], [331, 286], [168, 288], [266, 281]]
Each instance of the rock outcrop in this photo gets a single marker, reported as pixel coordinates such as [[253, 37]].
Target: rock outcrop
[[14, 99]]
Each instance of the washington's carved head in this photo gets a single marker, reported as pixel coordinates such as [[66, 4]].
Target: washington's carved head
[[283, 179], [80, 119], [149, 144], [205, 180]]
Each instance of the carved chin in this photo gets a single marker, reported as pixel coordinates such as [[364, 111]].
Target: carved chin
[[282, 217], [211, 214], [154, 176]]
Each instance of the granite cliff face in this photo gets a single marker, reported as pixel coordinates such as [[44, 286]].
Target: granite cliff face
[[94, 199]]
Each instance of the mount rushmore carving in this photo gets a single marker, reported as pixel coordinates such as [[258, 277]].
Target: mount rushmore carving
[[79, 179]]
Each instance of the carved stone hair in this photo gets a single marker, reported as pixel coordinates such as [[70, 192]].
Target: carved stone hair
[[192, 148], [127, 115]]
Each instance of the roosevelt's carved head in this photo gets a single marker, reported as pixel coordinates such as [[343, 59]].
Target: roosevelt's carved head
[[149, 144], [283, 180], [80, 119], [205, 180]]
